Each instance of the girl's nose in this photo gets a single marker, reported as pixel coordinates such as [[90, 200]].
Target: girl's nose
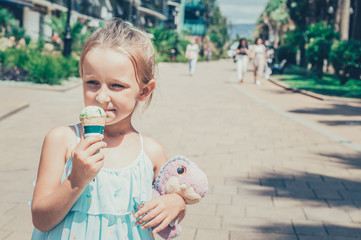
[[102, 97]]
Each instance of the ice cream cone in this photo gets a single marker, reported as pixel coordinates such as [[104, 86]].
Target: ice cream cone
[[93, 120]]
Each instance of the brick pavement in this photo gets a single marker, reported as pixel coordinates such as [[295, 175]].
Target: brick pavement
[[271, 177]]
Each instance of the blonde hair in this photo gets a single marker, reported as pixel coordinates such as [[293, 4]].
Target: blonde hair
[[128, 40]]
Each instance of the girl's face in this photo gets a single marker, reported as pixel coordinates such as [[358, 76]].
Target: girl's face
[[109, 82], [259, 41], [244, 43]]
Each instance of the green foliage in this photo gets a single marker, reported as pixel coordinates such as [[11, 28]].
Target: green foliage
[[13, 57], [320, 40], [297, 10], [276, 10], [317, 51], [42, 68], [328, 85], [287, 52], [217, 28], [11, 26], [295, 37], [165, 40], [6, 18], [322, 30], [345, 57], [50, 69], [78, 36]]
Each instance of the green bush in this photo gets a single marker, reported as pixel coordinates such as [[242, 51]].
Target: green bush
[[320, 37], [345, 57], [42, 68], [12, 57], [287, 52], [317, 51]]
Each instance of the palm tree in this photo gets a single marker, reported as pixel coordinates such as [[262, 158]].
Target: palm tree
[[345, 19]]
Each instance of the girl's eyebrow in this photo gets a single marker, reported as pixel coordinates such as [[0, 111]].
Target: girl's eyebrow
[[89, 75]]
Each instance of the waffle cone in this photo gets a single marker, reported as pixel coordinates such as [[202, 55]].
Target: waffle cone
[[98, 121]]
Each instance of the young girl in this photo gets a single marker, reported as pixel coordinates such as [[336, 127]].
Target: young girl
[[83, 193]]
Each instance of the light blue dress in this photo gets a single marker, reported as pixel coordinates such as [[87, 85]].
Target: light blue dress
[[105, 209]]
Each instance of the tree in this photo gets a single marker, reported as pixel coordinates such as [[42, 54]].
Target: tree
[[217, 28], [345, 19], [275, 16]]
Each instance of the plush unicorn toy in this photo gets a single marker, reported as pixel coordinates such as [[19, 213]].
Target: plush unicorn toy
[[180, 175]]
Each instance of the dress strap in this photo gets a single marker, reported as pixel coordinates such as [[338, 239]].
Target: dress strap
[[77, 132], [141, 141]]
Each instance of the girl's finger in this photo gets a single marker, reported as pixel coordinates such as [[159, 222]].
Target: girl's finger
[[146, 208], [85, 143], [98, 157], [152, 214], [155, 221], [92, 149], [163, 225]]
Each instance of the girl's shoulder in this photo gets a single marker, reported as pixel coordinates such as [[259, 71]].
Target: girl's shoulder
[[62, 136], [155, 152]]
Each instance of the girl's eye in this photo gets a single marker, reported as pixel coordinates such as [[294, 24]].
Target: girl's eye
[[92, 82], [114, 85]]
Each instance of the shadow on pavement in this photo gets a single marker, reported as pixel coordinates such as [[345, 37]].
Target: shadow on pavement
[[329, 203], [339, 123], [337, 109], [315, 231]]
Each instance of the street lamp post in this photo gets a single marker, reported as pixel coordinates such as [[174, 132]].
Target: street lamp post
[[67, 36]]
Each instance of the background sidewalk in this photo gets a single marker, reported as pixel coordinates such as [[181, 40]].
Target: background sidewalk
[[281, 165]]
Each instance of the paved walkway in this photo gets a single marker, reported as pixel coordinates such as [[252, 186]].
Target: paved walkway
[[280, 165]]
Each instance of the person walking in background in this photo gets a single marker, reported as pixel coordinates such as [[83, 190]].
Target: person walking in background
[[192, 56], [207, 48], [242, 59], [259, 60]]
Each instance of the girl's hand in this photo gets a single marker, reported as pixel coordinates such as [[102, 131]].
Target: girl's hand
[[161, 210], [87, 162]]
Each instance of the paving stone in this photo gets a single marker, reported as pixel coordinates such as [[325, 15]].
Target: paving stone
[[309, 228], [275, 213], [329, 194], [326, 214], [206, 234], [257, 225], [197, 221], [261, 236], [230, 210], [351, 195], [337, 229], [4, 234]]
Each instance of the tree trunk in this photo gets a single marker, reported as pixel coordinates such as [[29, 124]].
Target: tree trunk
[[356, 29], [337, 24], [303, 60], [345, 19]]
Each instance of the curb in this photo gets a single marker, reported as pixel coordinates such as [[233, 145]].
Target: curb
[[19, 107], [70, 84], [287, 87], [312, 94]]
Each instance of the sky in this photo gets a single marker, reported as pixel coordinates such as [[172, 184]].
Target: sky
[[242, 11]]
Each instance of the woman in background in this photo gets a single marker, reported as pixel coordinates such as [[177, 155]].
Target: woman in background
[[242, 59], [259, 60]]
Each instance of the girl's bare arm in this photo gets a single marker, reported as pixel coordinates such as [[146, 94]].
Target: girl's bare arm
[[164, 209], [52, 200]]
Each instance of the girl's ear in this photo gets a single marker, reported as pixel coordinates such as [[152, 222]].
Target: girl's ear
[[146, 90]]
